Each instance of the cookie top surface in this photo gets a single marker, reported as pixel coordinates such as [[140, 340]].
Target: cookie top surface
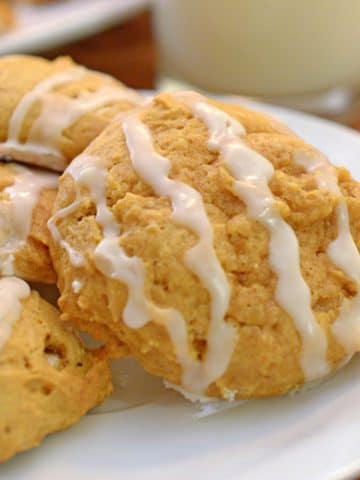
[[51, 110], [47, 378], [26, 199], [210, 240]]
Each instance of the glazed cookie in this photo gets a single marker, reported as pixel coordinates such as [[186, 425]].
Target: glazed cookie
[[47, 379], [7, 19], [215, 244], [26, 199], [50, 111]]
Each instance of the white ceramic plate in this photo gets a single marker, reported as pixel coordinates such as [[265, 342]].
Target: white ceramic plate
[[46, 26], [147, 433]]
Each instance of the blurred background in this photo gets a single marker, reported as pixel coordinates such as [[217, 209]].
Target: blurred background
[[304, 55]]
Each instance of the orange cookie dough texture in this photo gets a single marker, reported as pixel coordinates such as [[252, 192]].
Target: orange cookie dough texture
[[267, 356], [47, 379], [26, 200], [51, 110]]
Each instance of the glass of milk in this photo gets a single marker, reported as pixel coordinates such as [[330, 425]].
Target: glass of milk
[[305, 53]]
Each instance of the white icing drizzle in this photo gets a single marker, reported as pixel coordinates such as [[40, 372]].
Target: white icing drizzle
[[12, 291], [36, 94], [26, 103], [342, 251], [16, 211], [76, 258], [110, 258], [193, 397], [77, 286], [53, 359], [58, 112], [189, 211], [252, 173]]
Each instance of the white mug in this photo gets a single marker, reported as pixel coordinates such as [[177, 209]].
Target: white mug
[[260, 47]]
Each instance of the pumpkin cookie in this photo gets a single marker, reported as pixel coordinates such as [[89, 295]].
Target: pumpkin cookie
[[51, 110], [47, 379], [214, 244]]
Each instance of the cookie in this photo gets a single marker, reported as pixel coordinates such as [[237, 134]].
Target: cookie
[[47, 379], [26, 199], [215, 245], [51, 110]]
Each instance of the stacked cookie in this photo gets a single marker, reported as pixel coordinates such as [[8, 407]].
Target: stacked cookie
[[50, 112], [205, 240]]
